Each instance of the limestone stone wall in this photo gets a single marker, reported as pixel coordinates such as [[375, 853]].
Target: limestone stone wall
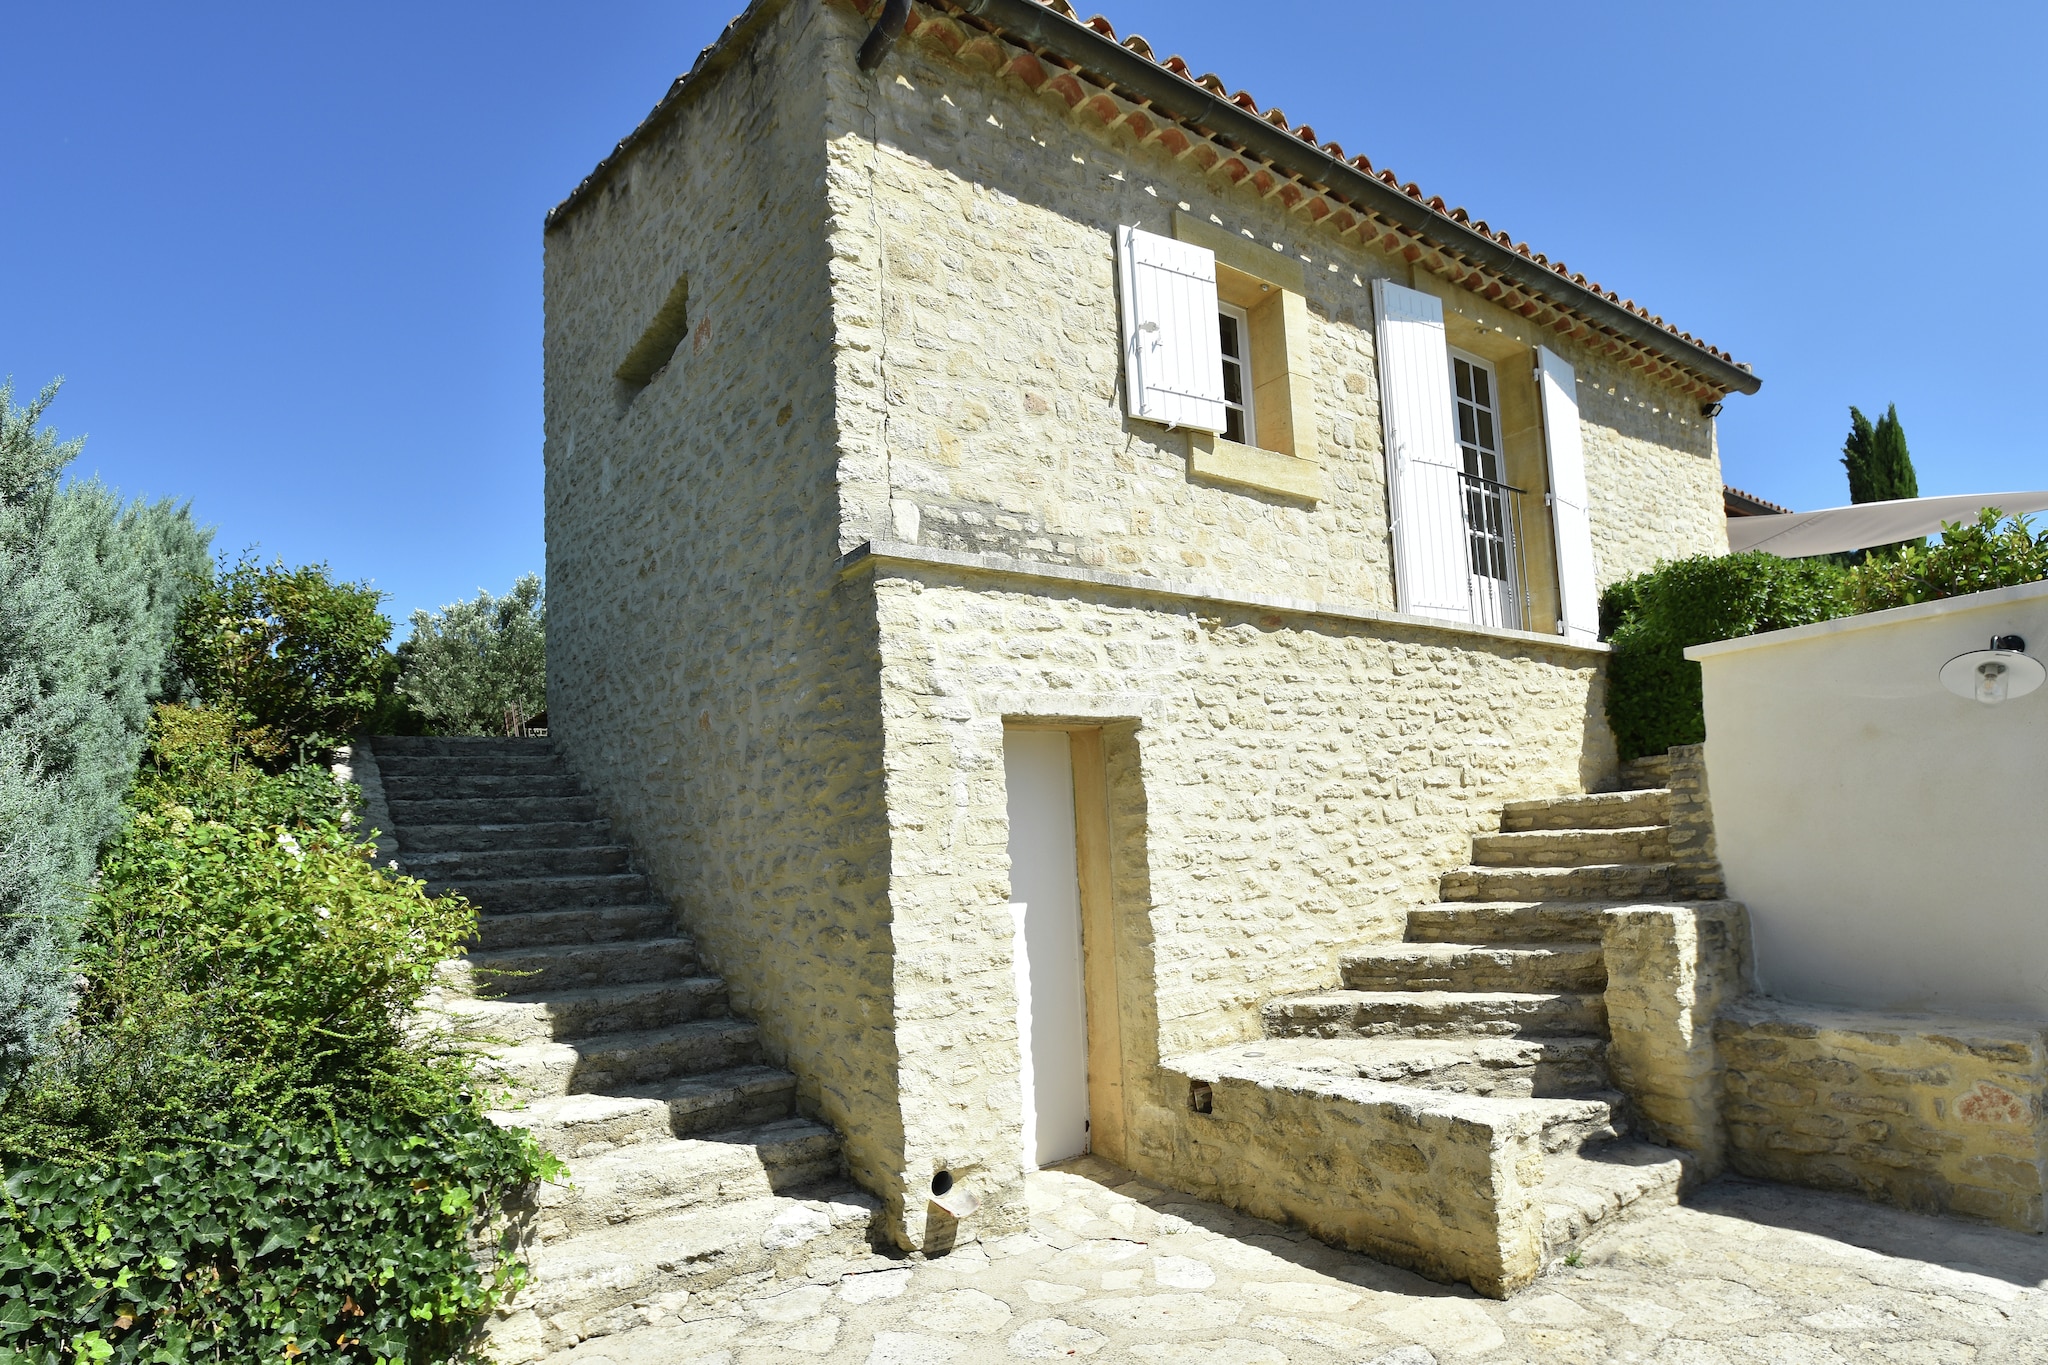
[[978, 359], [710, 676], [1282, 786], [1936, 1114]]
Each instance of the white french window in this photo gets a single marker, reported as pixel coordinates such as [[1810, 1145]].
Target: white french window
[[1492, 509], [1234, 331]]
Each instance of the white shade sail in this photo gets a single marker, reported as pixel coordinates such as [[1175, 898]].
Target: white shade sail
[[1836, 530]]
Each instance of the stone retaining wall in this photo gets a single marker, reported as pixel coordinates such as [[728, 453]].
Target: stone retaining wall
[[1938, 1115]]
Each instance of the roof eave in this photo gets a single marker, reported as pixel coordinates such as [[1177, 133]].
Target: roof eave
[[1141, 80]]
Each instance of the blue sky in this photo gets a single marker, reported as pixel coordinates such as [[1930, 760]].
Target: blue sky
[[289, 258]]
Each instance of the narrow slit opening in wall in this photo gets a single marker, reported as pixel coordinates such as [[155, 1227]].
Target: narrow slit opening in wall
[[657, 344], [1201, 1098]]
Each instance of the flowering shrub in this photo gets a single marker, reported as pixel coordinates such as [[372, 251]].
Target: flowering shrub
[[241, 1148]]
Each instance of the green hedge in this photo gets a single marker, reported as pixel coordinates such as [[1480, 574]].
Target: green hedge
[[304, 1242], [1653, 690]]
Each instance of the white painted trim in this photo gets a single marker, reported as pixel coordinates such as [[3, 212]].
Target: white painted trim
[[1247, 384], [1871, 620]]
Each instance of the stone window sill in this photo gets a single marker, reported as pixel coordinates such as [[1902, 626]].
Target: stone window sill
[[1225, 461]]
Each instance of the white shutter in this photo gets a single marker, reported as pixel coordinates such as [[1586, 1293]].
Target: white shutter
[[1578, 597], [1432, 564], [1173, 354]]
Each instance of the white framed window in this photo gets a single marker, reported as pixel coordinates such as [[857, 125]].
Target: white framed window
[[1234, 331]]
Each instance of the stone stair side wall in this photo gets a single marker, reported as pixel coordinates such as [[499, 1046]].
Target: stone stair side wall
[[357, 763], [1436, 1182], [1695, 865], [1671, 969], [1935, 1114]]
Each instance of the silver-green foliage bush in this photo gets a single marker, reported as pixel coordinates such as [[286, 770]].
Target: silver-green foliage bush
[[468, 662], [89, 597]]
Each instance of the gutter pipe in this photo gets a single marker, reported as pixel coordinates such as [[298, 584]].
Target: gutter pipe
[[888, 28]]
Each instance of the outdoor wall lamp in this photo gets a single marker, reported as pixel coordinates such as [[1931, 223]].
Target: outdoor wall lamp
[[1995, 674]]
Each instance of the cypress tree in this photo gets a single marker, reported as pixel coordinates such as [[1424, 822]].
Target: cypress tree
[[1880, 469], [89, 594]]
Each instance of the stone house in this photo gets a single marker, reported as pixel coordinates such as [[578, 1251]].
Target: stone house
[[1045, 557]]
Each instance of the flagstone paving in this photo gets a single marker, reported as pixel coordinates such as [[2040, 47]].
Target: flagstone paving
[[1118, 1270]]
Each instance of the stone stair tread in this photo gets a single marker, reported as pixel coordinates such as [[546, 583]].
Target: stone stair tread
[[1430, 950], [573, 926], [1562, 873], [484, 1008], [508, 968], [1584, 1189]]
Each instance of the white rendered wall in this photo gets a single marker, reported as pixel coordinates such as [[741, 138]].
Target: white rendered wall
[[1889, 837]]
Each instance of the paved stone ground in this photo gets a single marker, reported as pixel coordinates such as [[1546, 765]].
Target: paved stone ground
[[1118, 1270]]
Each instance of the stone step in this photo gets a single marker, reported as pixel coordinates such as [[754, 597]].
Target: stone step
[[587, 1286], [500, 864], [1573, 847], [1522, 1068], [652, 1179], [1647, 773], [585, 1125], [572, 1016], [1435, 1014], [465, 786], [521, 895], [580, 925], [615, 1062], [1475, 967], [1509, 922], [459, 746], [506, 763], [497, 810], [518, 972], [1595, 810], [1604, 1184], [1597, 882], [417, 839]]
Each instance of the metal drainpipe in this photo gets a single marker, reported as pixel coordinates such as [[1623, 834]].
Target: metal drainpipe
[[888, 28]]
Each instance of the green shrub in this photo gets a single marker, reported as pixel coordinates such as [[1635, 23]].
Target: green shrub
[[1991, 552], [1653, 690], [295, 658], [242, 1138], [467, 663], [300, 1241], [89, 593]]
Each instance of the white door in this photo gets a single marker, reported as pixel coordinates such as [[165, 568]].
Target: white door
[[1045, 899]]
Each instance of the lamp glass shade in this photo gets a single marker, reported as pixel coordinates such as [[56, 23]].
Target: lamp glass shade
[[1992, 676]]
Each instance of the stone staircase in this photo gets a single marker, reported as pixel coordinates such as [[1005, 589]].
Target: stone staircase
[[690, 1173], [1487, 1025]]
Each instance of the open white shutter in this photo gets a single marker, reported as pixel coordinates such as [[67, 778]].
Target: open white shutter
[[1173, 353], [1577, 595], [1432, 564]]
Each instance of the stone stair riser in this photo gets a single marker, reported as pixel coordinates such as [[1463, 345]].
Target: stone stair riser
[[652, 1005], [481, 765], [501, 810], [573, 1126], [483, 838], [458, 746], [666, 1178], [1395, 968], [1610, 882], [607, 1065], [1602, 810], [1367, 1014], [579, 925], [1607, 1184], [503, 864], [486, 788], [1516, 923], [1572, 847], [514, 896], [526, 971], [591, 1296]]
